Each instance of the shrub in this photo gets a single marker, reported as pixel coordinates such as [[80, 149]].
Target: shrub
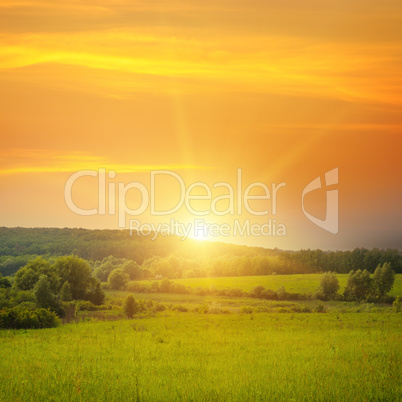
[[180, 308], [320, 296], [137, 287], [258, 292], [117, 279], [85, 305], [20, 317], [205, 292], [130, 306], [181, 289], [203, 309], [69, 311], [359, 285], [329, 285], [216, 308], [269, 294], [301, 309], [158, 307], [339, 297], [165, 286], [234, 292], [262, 309], [282, 294]]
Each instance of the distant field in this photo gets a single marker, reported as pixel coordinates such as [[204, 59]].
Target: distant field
[[306, 283], [199, 357], [220, 304]]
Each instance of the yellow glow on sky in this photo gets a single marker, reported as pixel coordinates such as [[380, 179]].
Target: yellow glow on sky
[[285, 90]]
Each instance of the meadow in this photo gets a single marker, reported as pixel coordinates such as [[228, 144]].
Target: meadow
[[304, 283], [198, 357], [214, 348]]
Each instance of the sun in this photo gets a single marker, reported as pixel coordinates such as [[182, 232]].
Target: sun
[[198, 232], [199, 235]]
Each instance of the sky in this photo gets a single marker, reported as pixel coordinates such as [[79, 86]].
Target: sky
[[283, 90]]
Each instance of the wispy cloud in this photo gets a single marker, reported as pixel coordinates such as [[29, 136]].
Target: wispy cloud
[[266, 64], [19, 160]]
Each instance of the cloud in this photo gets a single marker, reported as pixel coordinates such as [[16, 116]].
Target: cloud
[[22, 161], [136, 60]]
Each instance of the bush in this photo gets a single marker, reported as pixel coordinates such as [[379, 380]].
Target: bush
[[216, 308], [118, 278], [137, 287], [20, 317], [69, 310], [85, 305], [257, 292], [339, 297], [329, 285], [158, 307], [301, 309], [204, 309], [130, 306], [359, 285], [180, 308], [320, 296]]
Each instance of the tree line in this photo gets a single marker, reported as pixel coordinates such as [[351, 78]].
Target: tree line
[[42, 290], [361, 286]]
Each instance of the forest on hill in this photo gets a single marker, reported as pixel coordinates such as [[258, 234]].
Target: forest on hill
[[171, 257]]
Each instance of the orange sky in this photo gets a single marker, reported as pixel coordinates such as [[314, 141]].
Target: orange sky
[[285, 90]]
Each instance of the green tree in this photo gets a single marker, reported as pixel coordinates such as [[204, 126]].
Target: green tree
[[27, 276], [258, 292], [65, 292], [131, 268], [43, 294], [118, 278], [4, 282], [77, 273], [130, 306], [103, 271], [383, 279], [95, 293], [359, 285], [329, 285]]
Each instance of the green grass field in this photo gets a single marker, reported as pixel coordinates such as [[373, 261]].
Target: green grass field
[[221, 349], [235, 305], [235, 357], [307, 283]]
